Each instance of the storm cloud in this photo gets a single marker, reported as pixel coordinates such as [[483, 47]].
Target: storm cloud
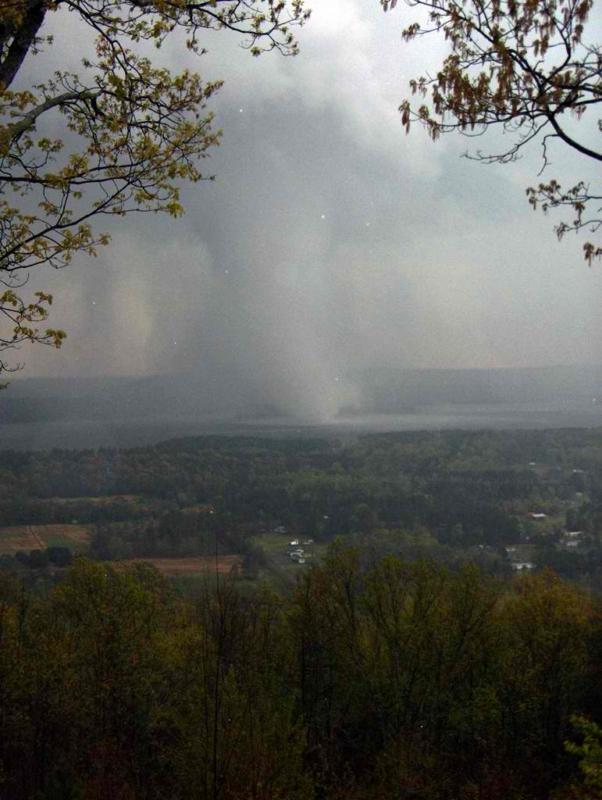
[[329, 242]]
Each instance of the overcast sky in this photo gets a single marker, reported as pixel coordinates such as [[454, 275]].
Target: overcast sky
[[330, 240]]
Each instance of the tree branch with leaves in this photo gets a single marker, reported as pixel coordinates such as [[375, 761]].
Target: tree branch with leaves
[[529, 67], [133, 131]]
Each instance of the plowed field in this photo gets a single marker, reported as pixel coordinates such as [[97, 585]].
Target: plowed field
[[38, 537], [189, 566]]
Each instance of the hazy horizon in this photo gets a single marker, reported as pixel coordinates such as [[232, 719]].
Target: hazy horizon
[[120, 411]]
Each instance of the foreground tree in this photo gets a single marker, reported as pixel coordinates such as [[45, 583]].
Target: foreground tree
[[119, 137], [529, 67], [590, 757]]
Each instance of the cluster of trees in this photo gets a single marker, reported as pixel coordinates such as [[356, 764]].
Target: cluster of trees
[[38, 558], [463, 490], [371, 680], [40, 511], [175, 533]]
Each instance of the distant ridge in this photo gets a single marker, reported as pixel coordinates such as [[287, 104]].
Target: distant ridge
[[379, 390], [396, 391]]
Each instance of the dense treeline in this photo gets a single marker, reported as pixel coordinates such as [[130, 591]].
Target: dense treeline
[[466, 490], [371, 680], [479, 480]]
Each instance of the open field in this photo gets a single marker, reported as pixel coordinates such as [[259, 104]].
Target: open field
[[173, 567], [276, 547], [199, 508], [102, 500], [38, 537], [272, 543]]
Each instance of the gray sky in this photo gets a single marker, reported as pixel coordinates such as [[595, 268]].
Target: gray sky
[[330, 240]]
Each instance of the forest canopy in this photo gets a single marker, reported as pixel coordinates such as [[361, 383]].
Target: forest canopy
[[391, 680]]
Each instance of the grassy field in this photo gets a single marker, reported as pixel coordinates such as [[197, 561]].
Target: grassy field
[[272, 543], [38, 537], [276, 547]]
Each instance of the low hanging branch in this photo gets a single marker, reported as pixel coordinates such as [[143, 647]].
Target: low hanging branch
[[530, 67], [135, 131]]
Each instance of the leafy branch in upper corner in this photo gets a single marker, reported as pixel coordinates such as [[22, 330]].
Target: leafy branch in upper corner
[[130, 131], [529, 67]]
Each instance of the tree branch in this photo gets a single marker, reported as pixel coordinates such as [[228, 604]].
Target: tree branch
[[22, 42], [28, 120], [570, 141]]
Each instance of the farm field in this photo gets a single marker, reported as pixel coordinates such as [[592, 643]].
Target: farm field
[[272, 543], [114, 503], [175, 567], [39, 537], [101, 500]]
